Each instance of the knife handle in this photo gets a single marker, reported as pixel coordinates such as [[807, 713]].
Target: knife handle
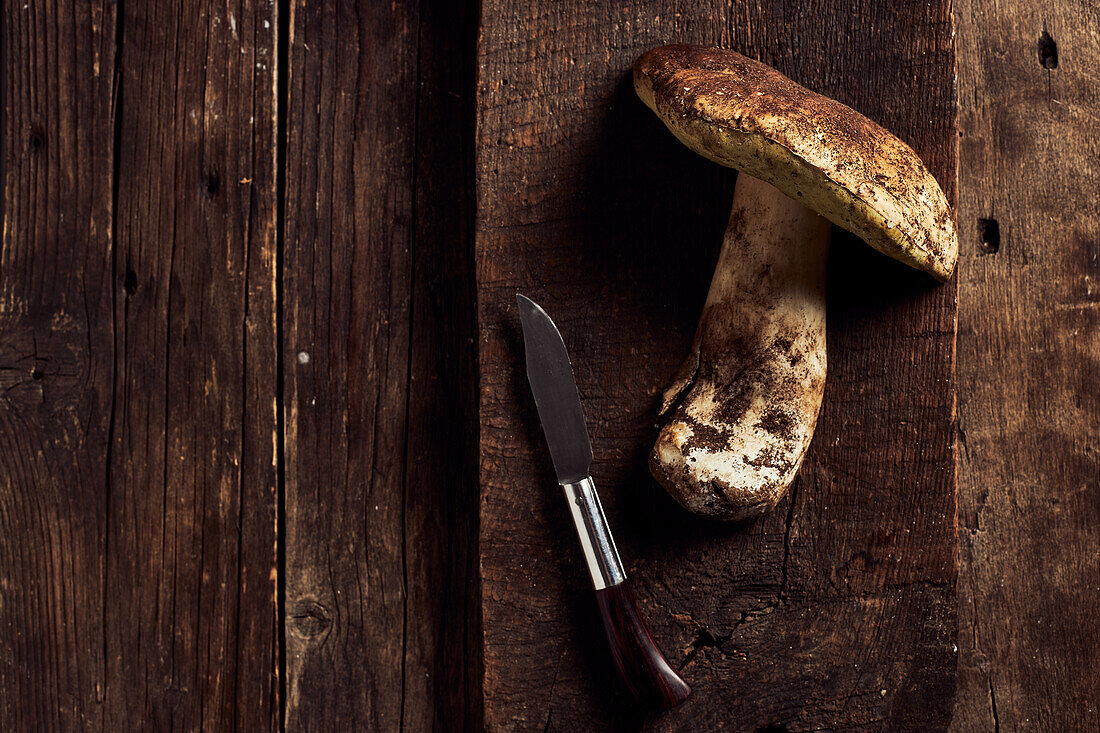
[[642, 666]]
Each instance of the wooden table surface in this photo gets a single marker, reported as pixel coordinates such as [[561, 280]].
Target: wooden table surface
[[266, 461]]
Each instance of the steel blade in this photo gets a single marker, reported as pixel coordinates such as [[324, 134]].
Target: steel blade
[[552, 383]]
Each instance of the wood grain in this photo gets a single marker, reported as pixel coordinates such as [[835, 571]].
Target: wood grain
[[838, 610], [191, 494], [1029, 366], [56, 360], [379, 386], [138, 381], [138, 300]]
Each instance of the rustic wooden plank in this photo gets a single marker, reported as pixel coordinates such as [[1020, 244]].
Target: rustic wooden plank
[[839, 609], [346, 360], [191, 494], [56, 331], [1029, 366], [138, 290], [380, 394]]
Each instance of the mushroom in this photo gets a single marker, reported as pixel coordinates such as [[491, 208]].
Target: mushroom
[[741, 410]]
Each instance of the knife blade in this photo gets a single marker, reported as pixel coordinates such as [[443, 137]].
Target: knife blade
[[640, 663], [555, 391]]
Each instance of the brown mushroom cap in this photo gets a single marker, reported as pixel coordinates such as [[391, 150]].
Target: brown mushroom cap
[[742, 114]]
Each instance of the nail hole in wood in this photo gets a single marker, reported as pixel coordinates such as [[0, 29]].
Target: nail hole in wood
[[989, 235], [36, 141], [1048, 51], [212, 184], [129, 282], [36, 374]]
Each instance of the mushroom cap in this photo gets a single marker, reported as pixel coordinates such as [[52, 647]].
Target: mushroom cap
[[742, 114]]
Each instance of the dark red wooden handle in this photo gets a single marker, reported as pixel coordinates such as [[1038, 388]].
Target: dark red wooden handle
[[646, 672]]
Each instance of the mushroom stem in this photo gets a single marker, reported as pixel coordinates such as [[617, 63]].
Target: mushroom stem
[[742, 410]]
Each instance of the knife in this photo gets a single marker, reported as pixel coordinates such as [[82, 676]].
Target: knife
[[641, 665]]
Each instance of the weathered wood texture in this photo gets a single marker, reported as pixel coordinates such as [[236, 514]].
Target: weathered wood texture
[[1029, 366], [56, 358], [137, 280], [378, 355], [837, 610], [138, 383], [191, 496]]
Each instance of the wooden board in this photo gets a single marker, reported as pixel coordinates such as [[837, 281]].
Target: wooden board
[[138, 310], [380, 626], [56, 359], [837, 610], [1029, 366]]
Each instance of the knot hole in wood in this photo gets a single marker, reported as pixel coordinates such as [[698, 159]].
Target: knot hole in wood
[[309, 618]]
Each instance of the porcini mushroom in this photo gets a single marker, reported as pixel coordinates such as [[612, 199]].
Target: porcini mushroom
[[742, 409]]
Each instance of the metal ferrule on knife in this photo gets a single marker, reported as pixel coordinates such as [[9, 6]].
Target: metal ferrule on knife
[[600, 552]]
